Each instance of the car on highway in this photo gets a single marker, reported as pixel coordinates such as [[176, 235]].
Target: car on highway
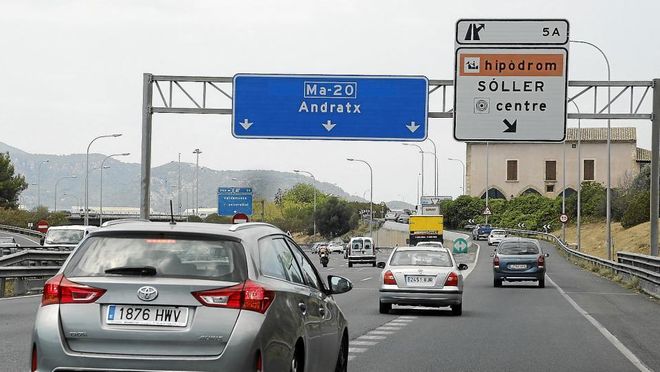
[[391, 216], [481, 231], [8, 242], [361, 251], [336, 247], [496, 236], [317, 246], [403, 218], [436, 244], [67, 236], [519, 259], [190, 296], [421, 276]]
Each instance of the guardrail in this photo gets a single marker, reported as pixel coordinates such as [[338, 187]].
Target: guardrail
[[20, 230], [631, 265], [27, 268]]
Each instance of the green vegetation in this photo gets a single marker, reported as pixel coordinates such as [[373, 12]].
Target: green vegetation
[[11, 185]]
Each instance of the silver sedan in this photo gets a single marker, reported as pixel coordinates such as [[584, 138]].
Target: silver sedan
[[421, 276]]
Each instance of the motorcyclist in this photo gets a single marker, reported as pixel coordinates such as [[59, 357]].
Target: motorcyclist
[[323, 254]]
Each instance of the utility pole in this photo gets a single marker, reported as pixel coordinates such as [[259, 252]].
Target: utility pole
[[179, 187], [487, 184], [197, 152]]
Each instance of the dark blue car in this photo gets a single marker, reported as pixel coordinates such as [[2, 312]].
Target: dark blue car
[[519, 259]]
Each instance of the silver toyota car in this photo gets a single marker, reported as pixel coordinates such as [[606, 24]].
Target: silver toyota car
[[142, 296], [421, 276]]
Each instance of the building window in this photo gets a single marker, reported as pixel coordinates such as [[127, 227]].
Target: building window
[[589, 170], [512, 170], [550, 170], [549, 188]]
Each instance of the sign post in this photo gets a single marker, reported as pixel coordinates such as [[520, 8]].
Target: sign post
[[511, 80], [233, 200], [330, 107]]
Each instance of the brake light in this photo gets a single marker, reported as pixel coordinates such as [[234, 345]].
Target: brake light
[[246, 296], [496, 262], [540, 262], [60, 290], [388, 278], [34, 359], [452, 280]]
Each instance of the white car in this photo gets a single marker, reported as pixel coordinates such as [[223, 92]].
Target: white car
[[496, 237], [336, 248]]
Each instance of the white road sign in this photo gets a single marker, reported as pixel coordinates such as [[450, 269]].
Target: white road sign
[[511, 80]]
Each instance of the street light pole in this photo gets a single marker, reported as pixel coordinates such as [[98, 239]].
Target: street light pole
[[579, 174], [609, 152], [463, 167], [57, 183], [197, 152], [435, 155], [179, 187], [421, 151], [371, 195], [101, 187], [86, 220], [314, 186], [39, 182]]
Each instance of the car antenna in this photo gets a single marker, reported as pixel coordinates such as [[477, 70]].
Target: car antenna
[[172, 222]]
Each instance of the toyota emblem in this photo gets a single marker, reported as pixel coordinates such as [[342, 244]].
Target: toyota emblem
[[147, 293]]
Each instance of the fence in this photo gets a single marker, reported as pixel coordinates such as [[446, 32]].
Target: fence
[[27, 268], [20, 230]]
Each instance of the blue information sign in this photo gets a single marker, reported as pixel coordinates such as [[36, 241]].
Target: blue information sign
[[331, 107], [232, 200]]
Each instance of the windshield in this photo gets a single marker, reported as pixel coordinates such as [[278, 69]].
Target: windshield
[[498, 232], [421, 258], [173, 256], [64, 236], [518, 248]]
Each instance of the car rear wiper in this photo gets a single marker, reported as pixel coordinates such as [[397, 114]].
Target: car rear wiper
[[133, 270]]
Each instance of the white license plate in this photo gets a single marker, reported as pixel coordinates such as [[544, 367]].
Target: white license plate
[[517, 267], [167, 316], [420, 280]]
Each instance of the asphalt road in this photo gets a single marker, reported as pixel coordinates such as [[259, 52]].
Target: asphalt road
[[516, 328], [21, 239]]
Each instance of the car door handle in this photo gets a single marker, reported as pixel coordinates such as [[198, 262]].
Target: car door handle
[[302, 307]]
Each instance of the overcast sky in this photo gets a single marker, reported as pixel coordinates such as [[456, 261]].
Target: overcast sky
[[72, 70]]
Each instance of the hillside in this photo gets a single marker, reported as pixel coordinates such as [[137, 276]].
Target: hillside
[[121, 182], [635, 239]]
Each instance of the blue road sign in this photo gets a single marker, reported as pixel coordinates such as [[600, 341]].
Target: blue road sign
[[232, 200], [331, 107]]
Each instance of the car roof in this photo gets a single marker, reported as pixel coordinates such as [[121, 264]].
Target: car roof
[[422, 248], [519, 239], [72, 227], [241, 231]]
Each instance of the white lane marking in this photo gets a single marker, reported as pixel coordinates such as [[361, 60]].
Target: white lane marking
[[402, 320], [365, 279], [367, 337], [608, 335], [381, 333], [357, 349], [330, 268], [385, 328], [351, 357], [407, 317], [363, 343], [18, 297], [605, 293], [476, 259]]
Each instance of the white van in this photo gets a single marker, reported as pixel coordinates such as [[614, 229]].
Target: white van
[[66, 236], [361, 251]]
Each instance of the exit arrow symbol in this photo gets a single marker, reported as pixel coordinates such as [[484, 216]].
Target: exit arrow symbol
[[511, 127], [245, 124], [412, 126], [328, 125]]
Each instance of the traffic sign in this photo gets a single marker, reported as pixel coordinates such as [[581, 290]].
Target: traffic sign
[[42, 226], [233, 200], [423, 200], [240, 218], [330, 107], [510, 80], [460, 246], [563, 218], [487, 211]]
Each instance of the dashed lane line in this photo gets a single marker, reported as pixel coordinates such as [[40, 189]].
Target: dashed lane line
[[381, 333], [365, 279], [364, 343], [356, 350], [373, 337], [370, 337]]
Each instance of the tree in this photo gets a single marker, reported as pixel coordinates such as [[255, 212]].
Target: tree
[[335, 217], [11, 185]]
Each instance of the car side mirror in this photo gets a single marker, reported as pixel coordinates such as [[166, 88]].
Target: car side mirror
[[380, 265], [547, 254], [339, 284], [462, 266]]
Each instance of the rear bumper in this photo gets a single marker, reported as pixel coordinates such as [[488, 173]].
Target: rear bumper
[[421, 298], [361, 259], [512, 276]]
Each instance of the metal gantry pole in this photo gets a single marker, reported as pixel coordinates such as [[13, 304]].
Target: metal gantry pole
[[655, 166], [179, 187], [563, 193], [145, 176], [487, 183], [579, 175]]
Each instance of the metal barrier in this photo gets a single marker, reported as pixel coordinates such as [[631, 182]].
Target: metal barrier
[[20, 230], [631, 265], [24, 266]]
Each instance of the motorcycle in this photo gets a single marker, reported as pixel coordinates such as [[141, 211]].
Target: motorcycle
[[324, 259]]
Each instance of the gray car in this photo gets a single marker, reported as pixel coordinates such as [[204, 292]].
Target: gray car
[[421, 276], [518, 260], [190, 296]]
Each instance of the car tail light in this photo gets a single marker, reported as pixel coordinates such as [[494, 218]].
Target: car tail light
[[34, 359], [496, 262], [388, 278], [540, 262], [246, 296], [60, 290], [452, 280]]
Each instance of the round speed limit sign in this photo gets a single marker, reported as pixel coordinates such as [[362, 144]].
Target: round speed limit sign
[[563, 218]]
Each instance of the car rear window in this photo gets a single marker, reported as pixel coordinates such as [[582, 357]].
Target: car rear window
[[421, 258], [64, 236], [171, 256], [514, 248]]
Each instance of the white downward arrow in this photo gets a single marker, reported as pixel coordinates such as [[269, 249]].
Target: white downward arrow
[[245, 124], [412, 126], [328, 125]]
